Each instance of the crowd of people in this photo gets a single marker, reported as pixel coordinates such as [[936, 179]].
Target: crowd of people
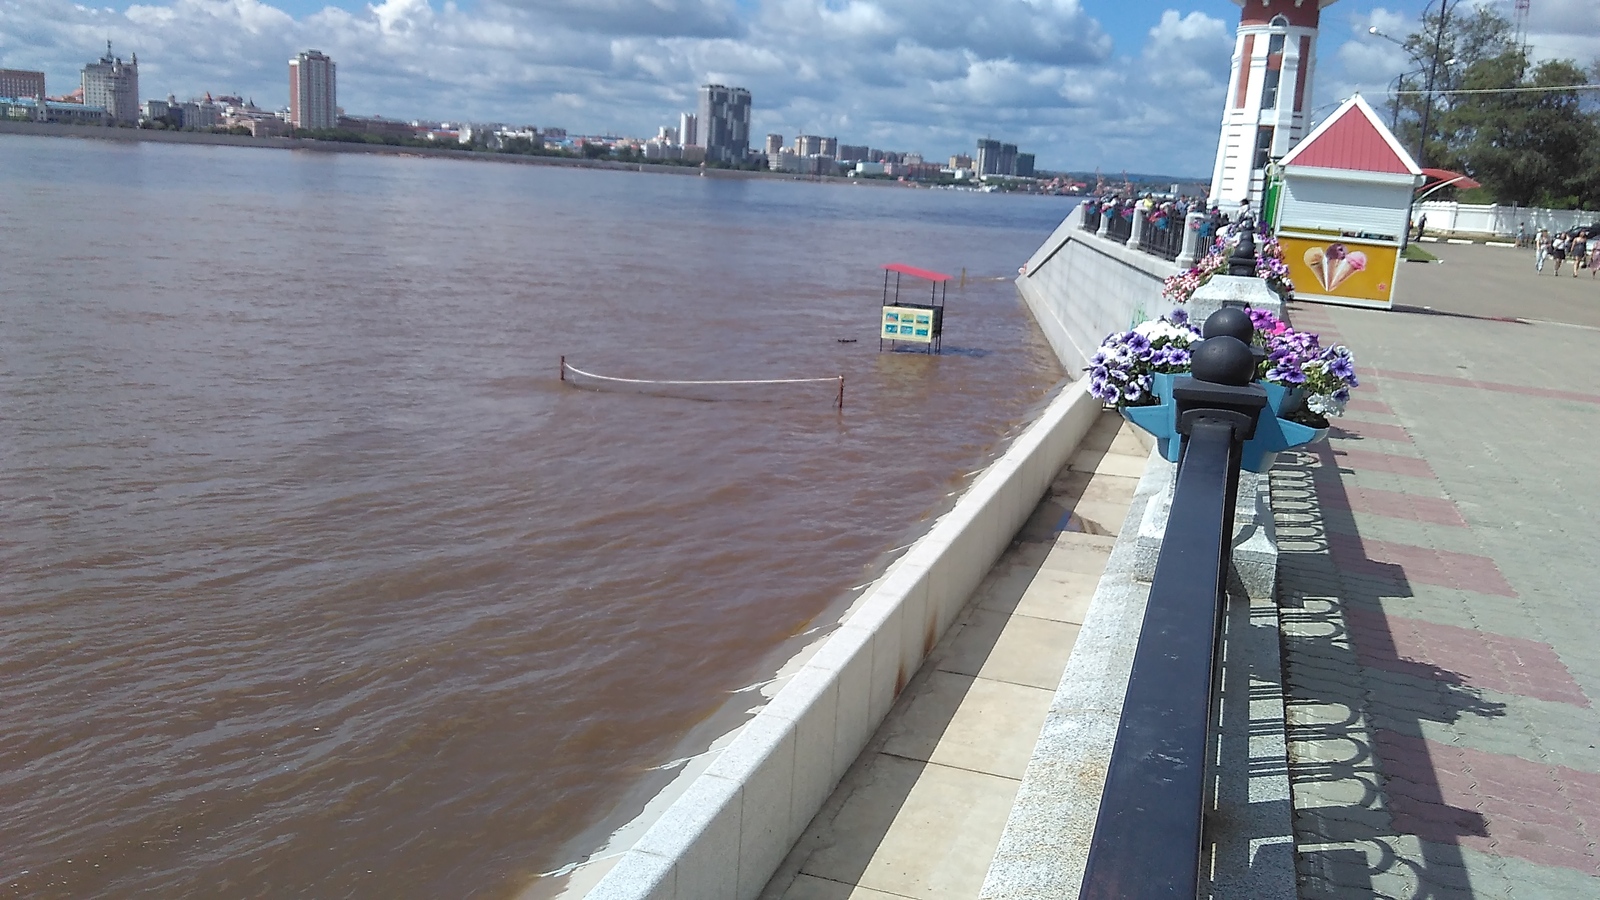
[[1161, 213], [1580, 245]]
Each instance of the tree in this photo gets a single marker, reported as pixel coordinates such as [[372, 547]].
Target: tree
[[1526, 147]]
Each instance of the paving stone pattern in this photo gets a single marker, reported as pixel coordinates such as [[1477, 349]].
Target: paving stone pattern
[[1437, 587]]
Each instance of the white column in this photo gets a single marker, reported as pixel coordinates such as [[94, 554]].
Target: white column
[[1138, 228], [1105, 221], [1191, 240]]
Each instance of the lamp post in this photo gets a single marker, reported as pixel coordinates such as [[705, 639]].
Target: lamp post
[[1433, 63]]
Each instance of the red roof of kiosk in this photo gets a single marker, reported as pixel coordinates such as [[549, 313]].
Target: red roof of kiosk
[[1353, 139], [915, 272]]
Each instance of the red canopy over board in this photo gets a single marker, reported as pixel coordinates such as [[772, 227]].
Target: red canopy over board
[[915, 272], [1438, 177]]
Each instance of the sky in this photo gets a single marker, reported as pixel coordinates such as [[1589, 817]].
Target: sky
[[1132, 85]]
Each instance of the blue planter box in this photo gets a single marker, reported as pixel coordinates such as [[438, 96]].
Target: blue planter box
[[1273, 434]]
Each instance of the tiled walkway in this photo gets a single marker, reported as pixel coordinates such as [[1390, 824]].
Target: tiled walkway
[[920, 813], [1439, 583]]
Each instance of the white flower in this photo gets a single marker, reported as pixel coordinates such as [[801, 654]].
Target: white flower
[[1325, 405]]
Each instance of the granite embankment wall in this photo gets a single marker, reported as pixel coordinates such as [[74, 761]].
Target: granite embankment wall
[[731, 828], [1081, 287], [728, 832]]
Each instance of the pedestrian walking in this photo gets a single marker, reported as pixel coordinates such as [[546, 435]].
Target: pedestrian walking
[[1579, 251], [1522, 234], [1541, 249], [1558, 250], [1594, 255], [1422, 226]]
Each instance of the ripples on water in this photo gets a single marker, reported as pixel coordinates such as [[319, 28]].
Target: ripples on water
[[317, 581]]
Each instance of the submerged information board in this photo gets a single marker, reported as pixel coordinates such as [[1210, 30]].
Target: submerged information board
[[907, 323], [1341, 269]]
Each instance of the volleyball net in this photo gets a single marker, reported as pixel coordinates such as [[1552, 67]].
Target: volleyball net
[[770, 390]]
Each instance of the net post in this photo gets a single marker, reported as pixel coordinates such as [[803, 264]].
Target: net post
[[563, 368]]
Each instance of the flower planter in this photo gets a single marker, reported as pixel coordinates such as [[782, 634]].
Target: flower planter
[[1273, 434], [1282, 400]]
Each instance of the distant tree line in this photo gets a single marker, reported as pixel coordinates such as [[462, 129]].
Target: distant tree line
[[1531, 148]]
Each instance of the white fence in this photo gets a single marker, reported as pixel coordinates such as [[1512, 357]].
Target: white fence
[[1445, 215]]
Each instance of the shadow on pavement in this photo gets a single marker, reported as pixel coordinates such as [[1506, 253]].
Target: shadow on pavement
[[1365, 788]]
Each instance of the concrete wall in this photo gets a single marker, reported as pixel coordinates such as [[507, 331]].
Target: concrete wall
[[725, 836], [1081, 287], [1471, 218]]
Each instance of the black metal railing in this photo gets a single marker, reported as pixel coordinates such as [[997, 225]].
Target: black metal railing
[[1148, 839], [1091, 216], [1121, 227], [1162, 234]]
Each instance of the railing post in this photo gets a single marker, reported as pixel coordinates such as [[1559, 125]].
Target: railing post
[[1106, 213], [1138, 228], [1149, 833], [1191, 240]]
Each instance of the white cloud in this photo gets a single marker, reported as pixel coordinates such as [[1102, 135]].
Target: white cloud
[[923, 75]]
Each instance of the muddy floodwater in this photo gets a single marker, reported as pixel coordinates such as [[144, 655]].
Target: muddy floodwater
[[318, 581]]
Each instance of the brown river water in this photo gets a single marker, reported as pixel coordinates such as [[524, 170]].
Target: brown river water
[[317, 581]]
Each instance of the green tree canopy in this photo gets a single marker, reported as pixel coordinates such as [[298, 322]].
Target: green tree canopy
[[1530, 147]]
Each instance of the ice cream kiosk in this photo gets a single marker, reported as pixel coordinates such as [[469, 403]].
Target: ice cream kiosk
[[1344, 207]]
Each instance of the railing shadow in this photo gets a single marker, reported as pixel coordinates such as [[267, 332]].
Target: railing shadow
[[1357, 710]]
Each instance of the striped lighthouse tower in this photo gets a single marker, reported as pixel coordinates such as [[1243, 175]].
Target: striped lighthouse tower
[[1269, 94]]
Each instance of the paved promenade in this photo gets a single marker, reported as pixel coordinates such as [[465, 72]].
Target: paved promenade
[[1439, 584]]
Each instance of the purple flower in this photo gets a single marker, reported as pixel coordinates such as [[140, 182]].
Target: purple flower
[[1341, 368], [1178, 317]]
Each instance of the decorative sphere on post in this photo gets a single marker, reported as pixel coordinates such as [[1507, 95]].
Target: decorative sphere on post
[[1231, 321], [1223, 360], [1243, 260]]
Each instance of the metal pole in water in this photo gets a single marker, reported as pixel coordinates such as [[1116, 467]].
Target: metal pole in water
[[563, 368], [841, 392]]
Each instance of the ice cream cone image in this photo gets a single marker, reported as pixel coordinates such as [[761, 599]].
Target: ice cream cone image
[[1330, 263], [1346, 267], [1314, 259]]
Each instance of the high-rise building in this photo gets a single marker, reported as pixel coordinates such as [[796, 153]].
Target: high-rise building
[[313, 91], [1008, 160], [1025, 166], [852, 152], [830, 147], [113, 85], [688, 133], [1269, 93], [774, 145], [807, 144], [988, 158], [961, 161], [21, 83], [724, 122]]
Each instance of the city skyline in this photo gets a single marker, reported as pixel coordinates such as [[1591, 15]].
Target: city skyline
[[1094, 84]]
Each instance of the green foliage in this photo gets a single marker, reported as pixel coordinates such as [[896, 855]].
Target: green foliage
[[1529, 148], [350, 136]]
